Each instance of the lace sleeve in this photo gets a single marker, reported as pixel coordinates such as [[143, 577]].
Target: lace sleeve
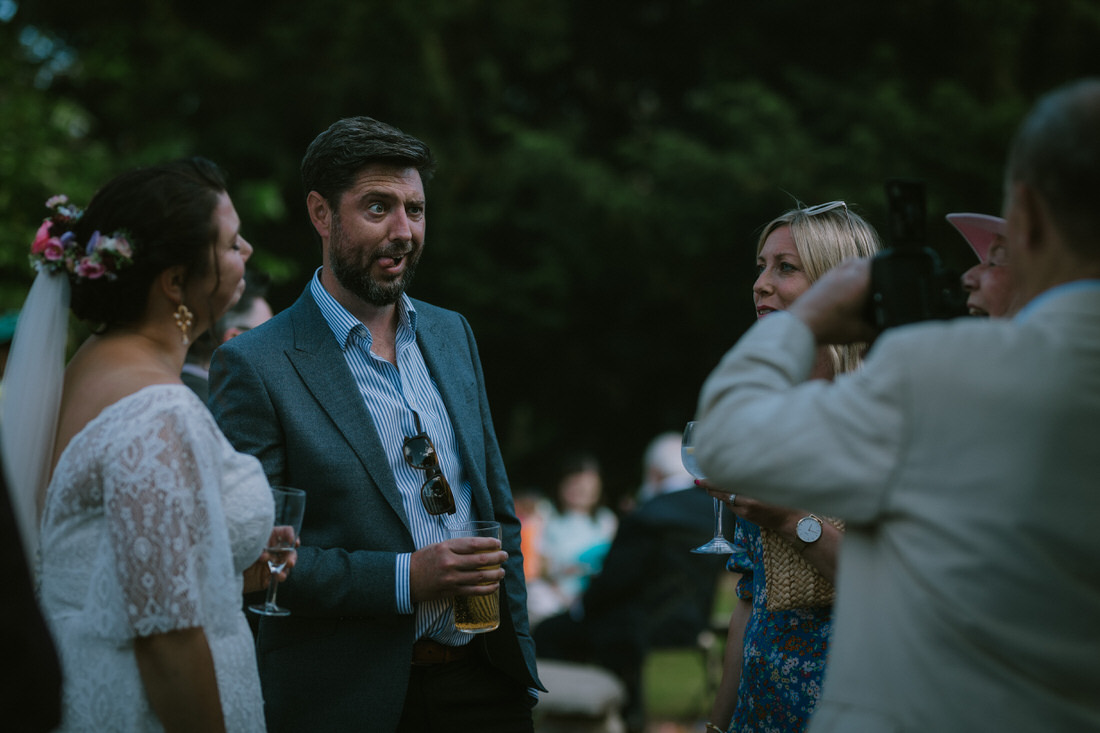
[[159, 525]]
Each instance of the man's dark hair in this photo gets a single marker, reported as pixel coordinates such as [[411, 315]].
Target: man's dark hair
[[336, 156], [1056, 152]]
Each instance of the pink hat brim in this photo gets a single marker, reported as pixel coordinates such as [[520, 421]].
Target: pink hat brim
[[978, 230]]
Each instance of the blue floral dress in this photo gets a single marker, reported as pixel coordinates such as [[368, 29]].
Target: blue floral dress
[[784, 655]]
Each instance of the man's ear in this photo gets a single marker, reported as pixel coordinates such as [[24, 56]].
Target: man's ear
[[320, 213], [1028, 217]]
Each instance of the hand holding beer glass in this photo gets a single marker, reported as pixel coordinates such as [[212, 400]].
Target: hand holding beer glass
[[477, 614]]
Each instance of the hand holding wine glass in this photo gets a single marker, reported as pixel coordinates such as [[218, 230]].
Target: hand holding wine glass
[[290, 505], [718, 545]]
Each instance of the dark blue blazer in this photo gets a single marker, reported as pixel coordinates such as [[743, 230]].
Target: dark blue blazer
[[283, 392]]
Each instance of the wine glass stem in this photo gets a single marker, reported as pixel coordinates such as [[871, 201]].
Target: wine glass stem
[[271, 588], [718, 518]]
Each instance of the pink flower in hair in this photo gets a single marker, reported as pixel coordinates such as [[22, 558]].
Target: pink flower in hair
[[90, 269], [53, 250], [41, 237], [101, 256]]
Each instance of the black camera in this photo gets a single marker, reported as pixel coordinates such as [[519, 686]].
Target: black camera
[[908, 281]]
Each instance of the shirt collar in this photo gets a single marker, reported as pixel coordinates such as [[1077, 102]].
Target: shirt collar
[[1056, 292], [343, 323], [195, 370]]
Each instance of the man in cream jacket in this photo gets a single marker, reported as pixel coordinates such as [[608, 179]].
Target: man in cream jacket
[[963, 457]]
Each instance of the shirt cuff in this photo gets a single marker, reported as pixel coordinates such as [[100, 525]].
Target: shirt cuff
[[401, 575]]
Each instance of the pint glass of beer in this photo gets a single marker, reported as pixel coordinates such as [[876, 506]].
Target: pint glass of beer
[[477, 614]]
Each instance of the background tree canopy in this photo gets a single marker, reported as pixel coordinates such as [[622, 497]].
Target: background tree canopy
[[604, 166]]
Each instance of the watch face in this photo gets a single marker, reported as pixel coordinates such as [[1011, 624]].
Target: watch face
[[809, 529]]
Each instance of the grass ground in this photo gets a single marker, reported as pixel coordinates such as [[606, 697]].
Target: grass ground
[[678, 693], [679, 687]]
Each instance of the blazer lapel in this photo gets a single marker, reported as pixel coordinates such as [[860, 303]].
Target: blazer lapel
[[321, 366], [454, 377]]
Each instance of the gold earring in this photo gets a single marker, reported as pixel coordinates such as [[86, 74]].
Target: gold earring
[[184, 319]]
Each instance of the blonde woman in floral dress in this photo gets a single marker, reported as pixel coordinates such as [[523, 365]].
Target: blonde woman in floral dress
[[775, 660]]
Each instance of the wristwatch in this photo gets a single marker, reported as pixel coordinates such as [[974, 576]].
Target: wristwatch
[[808, 529]]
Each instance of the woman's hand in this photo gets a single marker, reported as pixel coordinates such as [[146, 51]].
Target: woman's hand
[[781, 520], [784, 522]]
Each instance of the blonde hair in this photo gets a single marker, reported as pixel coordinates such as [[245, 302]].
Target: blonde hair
[[825, 236]]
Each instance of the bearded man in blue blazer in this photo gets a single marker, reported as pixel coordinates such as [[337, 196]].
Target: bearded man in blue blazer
[[339, 395]]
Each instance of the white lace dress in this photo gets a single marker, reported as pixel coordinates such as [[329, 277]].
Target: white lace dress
[[151, 517]]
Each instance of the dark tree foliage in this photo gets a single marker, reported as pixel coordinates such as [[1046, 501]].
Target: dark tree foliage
[[604, 166]]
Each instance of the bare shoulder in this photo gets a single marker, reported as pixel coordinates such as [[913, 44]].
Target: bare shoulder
[[101, 373]]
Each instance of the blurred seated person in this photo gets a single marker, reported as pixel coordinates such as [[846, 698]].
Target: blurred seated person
[[530, 510], [250, 311], [662, 468], [652, 591], [989, 284], [576, 535]]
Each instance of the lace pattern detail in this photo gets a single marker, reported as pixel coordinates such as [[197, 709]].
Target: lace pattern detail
[[151, 517]]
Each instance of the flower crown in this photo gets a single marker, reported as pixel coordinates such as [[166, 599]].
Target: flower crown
[[55, 247]]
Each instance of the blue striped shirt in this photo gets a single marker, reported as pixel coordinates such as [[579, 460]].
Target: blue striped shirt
[[391, 394]]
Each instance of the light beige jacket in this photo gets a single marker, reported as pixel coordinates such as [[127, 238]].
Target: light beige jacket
[[965, 457]]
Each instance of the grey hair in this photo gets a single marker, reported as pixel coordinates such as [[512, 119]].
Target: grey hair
[[1056, 152]]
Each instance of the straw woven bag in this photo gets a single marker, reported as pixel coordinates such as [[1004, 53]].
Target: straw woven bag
[[790, 581]]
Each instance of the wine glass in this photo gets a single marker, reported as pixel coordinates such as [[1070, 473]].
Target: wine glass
[[718, 545], [290, 505]]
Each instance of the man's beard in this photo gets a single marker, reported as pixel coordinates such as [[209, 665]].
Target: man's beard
[[357, 278]]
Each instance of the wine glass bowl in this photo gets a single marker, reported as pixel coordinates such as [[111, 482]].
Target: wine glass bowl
[[718, 544], [687, 453], [290, 505]]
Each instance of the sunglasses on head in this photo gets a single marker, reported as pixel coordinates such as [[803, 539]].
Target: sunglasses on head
[[829, 206], [435, 492]]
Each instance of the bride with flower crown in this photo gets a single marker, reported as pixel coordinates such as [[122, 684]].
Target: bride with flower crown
[[147, 526]]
